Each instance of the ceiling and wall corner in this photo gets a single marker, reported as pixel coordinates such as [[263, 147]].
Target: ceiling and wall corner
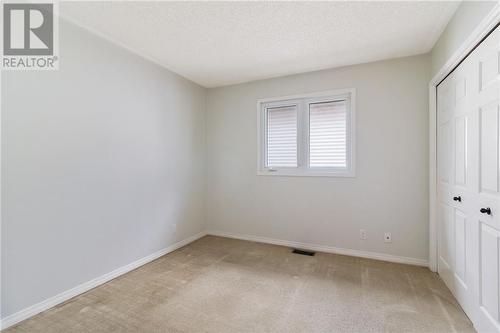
[[466, 18], [223, 43]]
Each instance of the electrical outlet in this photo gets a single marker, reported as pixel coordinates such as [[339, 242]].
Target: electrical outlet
[[362, 234], [388, 237]]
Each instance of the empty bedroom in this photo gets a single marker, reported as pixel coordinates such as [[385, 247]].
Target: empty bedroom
[[250, 166]]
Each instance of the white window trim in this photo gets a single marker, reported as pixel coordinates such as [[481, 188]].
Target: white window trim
[[302, 169]]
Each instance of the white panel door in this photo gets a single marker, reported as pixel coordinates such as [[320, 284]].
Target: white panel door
[[484, 101], [456, 185], [445, 170]]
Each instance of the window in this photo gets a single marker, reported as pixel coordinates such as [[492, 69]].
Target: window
[[308, 135], [328, 134], [282, 136]]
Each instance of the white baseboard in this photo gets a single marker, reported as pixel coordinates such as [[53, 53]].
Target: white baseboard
[[324, 248], [80, 289]]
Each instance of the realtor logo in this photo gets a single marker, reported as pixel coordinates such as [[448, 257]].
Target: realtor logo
[[29, 36]]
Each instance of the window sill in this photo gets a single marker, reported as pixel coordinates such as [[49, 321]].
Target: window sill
[[308, 173]]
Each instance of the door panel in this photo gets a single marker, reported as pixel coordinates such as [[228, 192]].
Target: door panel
[[488, 68], [489, 273], [460, 151], [489, 149], [446, 235], [445, 140], [460, 247], [446, 101], [460, 89]]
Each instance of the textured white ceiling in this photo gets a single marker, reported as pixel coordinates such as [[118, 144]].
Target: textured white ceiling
[[221, 43]]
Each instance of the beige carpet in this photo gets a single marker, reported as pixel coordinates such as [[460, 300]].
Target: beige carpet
[[223, 285]]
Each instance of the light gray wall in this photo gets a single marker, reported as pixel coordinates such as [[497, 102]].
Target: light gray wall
[[103, 164], [389, 193], [467, 17]]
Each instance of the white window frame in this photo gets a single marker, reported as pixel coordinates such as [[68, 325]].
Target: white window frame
[[302, 101]]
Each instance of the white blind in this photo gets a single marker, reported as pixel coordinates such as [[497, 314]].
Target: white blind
[[328, 135], [282, 136]]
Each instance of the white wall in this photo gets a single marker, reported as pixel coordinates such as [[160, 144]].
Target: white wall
[[389, 193], [467, 17], [102, 164]]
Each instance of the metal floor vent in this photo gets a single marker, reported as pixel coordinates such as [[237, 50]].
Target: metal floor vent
[[303, 252]]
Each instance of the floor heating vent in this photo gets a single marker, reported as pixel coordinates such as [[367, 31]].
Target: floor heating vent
[[303, 252]]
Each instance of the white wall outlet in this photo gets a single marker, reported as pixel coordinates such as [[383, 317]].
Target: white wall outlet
[[388, 237], [362, 234]]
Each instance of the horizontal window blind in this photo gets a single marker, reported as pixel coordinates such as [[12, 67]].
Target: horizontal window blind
[[328, 134], [282, 136]]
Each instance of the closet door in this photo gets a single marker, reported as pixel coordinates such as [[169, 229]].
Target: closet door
[[456, 185], [485, 102], [445, 171]]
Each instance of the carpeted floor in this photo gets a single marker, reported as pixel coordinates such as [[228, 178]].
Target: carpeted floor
[[223, 285]]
